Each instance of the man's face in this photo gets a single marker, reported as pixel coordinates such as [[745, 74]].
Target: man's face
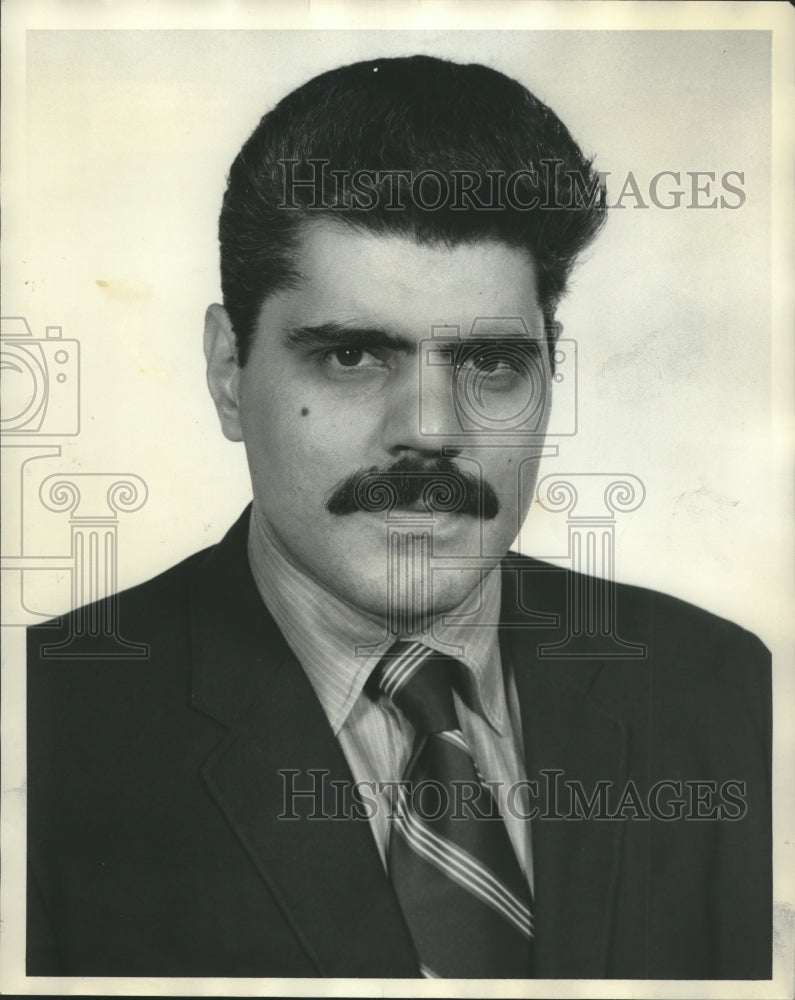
[[341, 379]]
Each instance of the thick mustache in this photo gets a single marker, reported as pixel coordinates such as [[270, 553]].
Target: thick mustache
[[440, 485]]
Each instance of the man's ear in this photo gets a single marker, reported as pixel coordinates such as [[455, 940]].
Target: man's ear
[[223, 372]]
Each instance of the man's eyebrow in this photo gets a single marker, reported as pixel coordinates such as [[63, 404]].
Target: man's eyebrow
[[331, 334], [504, 332]]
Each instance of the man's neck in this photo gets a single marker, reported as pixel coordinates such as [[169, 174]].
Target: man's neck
[[338, 644]]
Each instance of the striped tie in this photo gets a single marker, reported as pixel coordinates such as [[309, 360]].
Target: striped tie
[[464, 897]]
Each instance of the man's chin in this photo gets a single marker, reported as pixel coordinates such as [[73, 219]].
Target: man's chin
[[411, 584]]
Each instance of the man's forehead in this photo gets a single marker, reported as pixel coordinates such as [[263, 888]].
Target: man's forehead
[[325, 233], [348, 274]]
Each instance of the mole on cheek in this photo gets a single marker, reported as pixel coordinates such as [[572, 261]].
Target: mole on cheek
[[304, 411]]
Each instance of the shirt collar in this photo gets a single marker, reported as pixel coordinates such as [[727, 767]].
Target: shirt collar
[[338, 646]]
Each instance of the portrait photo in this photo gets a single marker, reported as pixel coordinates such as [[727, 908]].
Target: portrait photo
[[397, 522]]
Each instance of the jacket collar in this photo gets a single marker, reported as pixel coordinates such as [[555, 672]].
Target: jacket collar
[[567, 736], [326, 875]]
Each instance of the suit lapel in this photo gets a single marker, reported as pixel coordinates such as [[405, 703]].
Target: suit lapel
[[325, 874], [575, 861]]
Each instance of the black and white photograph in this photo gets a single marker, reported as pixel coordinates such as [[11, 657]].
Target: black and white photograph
[[397, 499]]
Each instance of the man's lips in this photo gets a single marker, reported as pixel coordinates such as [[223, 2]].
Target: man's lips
[[417, 507]]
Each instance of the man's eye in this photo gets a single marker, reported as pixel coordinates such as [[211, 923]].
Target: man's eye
[[498, 359], [348, 357], [491, 362]]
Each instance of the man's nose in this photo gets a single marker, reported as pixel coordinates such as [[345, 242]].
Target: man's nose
[[421, 417]]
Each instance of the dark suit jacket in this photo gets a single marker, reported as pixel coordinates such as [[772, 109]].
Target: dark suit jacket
[[153, 794]]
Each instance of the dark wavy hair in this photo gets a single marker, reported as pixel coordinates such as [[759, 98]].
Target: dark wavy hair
[[414, 114]]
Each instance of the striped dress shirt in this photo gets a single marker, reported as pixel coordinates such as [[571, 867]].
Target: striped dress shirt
[[326, 635]]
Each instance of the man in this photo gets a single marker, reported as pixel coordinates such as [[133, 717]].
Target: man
[[353, 749]]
